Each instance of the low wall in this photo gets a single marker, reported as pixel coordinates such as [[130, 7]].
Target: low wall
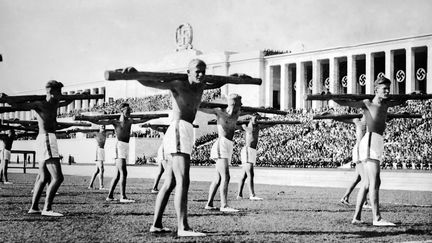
[[84, 150]]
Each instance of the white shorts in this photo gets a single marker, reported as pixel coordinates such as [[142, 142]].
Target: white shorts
[[100, 154], [179, 138], [5, 155], [356, 153], [161, 154], [122, 150], [248, 155], [371, 147], [46, 144], [222, 149]]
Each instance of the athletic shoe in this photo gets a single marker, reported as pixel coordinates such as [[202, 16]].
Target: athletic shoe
[[239, 197], [228, 209], [111, 199], [125, 200], [103, 189], [210, 208], [344, 202], [184, 233], [255, 198], [90, 188], [7, 182], [154, 191], [382, 222], [51, 213], [357, 222], [34, 211], [367, 206], [159, 230]]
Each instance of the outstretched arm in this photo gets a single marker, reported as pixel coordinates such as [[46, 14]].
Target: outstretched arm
[[65, 103], [26, 105], [213, 111], [351, 103]]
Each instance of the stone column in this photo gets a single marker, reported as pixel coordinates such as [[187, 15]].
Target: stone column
[[429, 70], [290, 84], [63, 109], [370, 70], [389, 69], [78, 103], [351, 75], [409, 71], [269, 86], [85, 102], [284, 91], [71, 106], [316, 82], [333, 78], [300, 83], [101, 91], [94, 91]]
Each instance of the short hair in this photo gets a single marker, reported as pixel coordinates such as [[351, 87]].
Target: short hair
[[234, 98], [382, 80], [123, 105], [53, 84], [196, 63]]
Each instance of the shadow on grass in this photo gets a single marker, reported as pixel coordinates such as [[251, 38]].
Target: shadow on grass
[[360, 234]]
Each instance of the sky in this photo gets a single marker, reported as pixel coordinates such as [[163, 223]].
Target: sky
[[75, 41]]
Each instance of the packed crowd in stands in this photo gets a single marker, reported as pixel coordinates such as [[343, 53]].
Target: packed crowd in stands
[[314, 143], [328, 144]]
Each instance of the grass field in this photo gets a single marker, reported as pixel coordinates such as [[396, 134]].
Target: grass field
[[288, 214]]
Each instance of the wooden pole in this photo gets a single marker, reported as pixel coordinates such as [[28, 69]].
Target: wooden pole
[[266, 122], [396, 97], [160, 76], [27, 98], [246, 109], [352, 116], [117, 116]]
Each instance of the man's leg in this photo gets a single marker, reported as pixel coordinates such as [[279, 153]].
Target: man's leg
[[121, 163], [93, 178], [158, 177], [354, 182], [373, 173], [362, 193], [181, 167], [162, 199], [5, 171], [54, 168], [241, 182], [114, 182], [212, 191], [250, 175], [40, 183], [101, 174], [223, 169]]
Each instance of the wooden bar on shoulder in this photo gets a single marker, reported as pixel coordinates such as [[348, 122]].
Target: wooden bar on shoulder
[[244, 108], [337, 116], [117, 116], [76, 130], [27, 98], [160, 125], [403, 115], [263, 122], [5, 109], [7, 127], [161, 76], [395, 97], [352, 116], [34, 122]]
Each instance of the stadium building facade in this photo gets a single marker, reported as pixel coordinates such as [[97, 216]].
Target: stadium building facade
[[287, 77]]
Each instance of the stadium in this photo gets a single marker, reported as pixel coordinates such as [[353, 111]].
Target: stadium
[[303, 163]]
